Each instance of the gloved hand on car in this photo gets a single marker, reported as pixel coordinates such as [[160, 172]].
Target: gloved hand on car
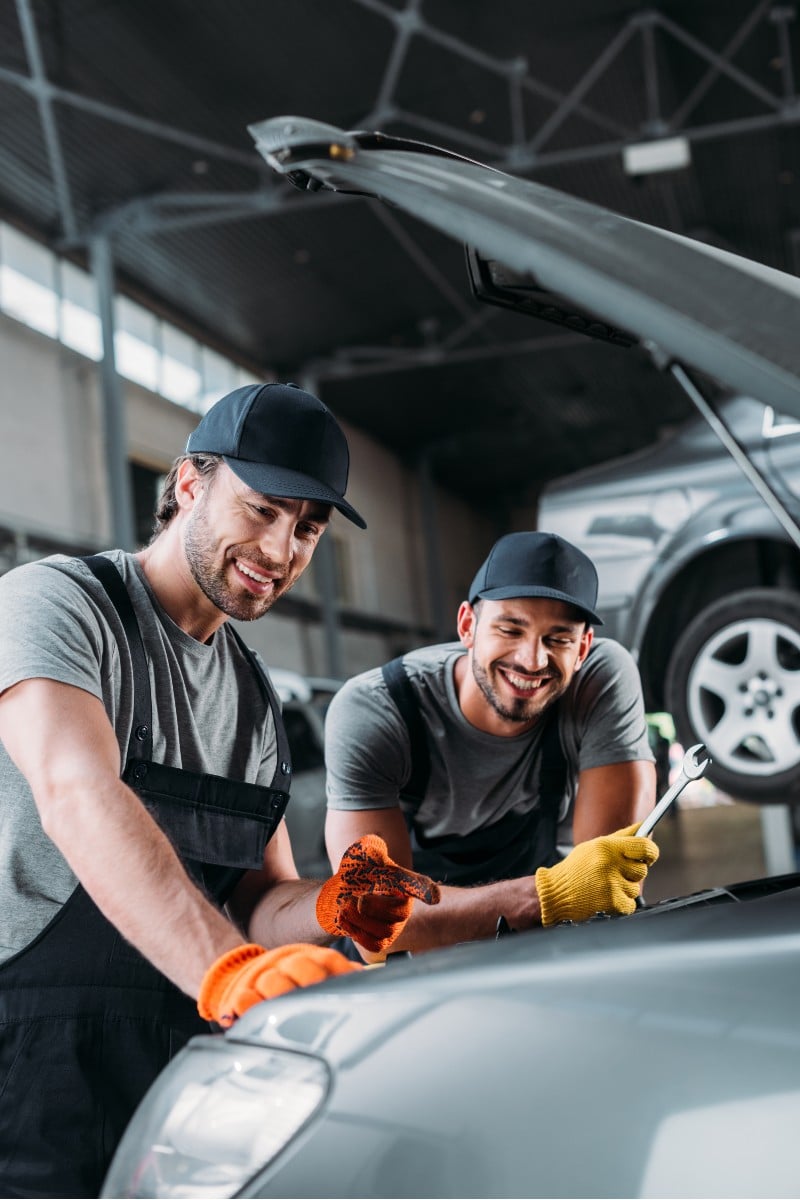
[[601, 875], [370, 897], [248, 974]]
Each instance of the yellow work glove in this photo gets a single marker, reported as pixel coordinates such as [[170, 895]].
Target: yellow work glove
[[248, 974], [370, 897], [602, 875]]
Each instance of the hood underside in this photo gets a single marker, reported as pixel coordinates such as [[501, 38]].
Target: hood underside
[[727, 317]]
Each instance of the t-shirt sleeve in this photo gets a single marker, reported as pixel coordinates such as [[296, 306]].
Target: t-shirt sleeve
[[609, 715], [366, 747], [48, 630]]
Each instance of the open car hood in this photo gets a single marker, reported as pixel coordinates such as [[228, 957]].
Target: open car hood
[[728, 317]]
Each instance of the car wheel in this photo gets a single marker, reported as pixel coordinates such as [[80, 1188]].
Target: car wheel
[[733, 682]]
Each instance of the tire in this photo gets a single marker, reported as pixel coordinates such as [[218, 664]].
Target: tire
[[733, 682]]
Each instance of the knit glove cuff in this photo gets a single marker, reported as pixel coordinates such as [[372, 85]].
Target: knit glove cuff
[[249, 974]]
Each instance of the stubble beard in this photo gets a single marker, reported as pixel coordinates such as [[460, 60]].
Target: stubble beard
[[520, 711], [199, 547]]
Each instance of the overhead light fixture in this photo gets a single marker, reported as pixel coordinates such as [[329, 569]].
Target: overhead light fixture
[[664, 154]]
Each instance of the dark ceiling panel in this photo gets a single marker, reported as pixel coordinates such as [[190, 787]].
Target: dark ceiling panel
[[25, 178], [502, 427]]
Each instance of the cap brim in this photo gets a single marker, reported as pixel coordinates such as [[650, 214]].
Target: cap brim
[[512, 593], [280, 481]]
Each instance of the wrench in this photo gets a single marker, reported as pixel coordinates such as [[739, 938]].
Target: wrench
[[695, 761]]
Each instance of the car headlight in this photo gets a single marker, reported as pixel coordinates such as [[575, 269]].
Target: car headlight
[[215, 1118]]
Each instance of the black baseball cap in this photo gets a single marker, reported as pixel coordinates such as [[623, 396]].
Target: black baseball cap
[[538, 564], [279, 440]]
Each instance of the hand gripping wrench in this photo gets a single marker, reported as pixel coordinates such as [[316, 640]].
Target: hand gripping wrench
[[695, 761]]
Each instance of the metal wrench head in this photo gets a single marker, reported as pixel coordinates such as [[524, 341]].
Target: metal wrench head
[[695, 761]]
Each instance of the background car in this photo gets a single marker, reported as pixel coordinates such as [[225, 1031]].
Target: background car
[[305, 700], [701, 582]]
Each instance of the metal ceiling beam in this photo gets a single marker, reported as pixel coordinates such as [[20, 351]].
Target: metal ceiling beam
[[524, 155], [408, 23], [719, 62], [655, 121], [759, 12], [52, 141], [696, 133], [144, 214], [438, 355], [218, 208], [422, 261], [405, 29], [115, 436], [588, 80], [119, 116], [476, 320], [486, 147], [781, 16]]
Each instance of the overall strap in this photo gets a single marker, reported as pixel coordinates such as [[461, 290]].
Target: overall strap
[[399, 687], [552, 785], [142, 730]]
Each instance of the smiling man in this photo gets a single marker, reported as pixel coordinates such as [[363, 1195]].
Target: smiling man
[[474, 759], [147, 883]]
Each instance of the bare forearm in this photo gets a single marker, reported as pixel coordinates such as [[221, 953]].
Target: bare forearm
[[61, 739], [611, 798], [471, 914], [286, 913], [130, 870]]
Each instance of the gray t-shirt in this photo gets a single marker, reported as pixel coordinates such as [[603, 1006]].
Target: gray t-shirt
[[476, 777], [209, 713]]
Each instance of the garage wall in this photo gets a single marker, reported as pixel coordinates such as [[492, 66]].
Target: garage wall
[[50, 431], [53, 485]]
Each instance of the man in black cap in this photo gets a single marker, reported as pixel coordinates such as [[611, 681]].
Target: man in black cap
[[147, 884], [474, 760]]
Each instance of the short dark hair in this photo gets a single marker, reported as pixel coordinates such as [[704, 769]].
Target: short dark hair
[[167, 506]]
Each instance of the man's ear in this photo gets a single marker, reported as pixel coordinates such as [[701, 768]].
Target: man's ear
[[586, 644], [467, 620], [188, 484]]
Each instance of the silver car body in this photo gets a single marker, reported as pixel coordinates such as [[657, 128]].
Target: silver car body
[[652, 1055]]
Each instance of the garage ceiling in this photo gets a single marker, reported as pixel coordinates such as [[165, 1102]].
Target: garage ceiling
[[129, 121]]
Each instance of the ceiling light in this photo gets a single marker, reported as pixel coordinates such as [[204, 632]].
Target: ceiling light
[[665, 154]]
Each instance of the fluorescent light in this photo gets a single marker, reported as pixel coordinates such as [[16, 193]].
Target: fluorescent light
[[665, 154]]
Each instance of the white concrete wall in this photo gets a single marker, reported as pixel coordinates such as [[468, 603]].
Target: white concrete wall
[[53, 483], [51, 438]]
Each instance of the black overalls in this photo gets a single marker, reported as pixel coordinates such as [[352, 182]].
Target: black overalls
[[516, 845], [87, 1023]]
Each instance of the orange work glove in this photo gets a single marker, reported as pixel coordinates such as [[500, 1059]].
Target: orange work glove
[[602, 875], [248, 974], [370, 897]]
